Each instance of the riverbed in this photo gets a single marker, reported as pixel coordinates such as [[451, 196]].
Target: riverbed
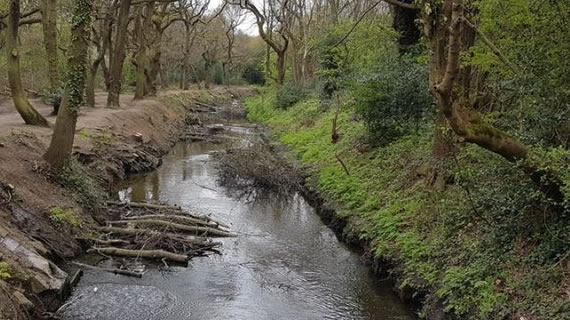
[[284, 264]]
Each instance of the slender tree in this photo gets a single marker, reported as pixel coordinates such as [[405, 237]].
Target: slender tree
[[25, 109], [49, 26], [118, 54], [59, 151], [281, 11]]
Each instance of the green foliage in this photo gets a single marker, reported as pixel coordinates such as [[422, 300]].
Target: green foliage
[[287, 95], [218, 74], [75, 179], [535, 103], [393, 99], [67, 217], [5, 270], [462, 291], [253, 72], [488, 245]]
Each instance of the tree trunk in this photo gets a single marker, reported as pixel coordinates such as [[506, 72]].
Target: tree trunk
[[118, 55], [25, 109], [405, 23], [207, 77], [142, 30], [59, 151], [446, 77], [90, 86], [49, 25], [281, 67]]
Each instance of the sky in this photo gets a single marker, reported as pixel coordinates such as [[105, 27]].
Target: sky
[[248, 26]]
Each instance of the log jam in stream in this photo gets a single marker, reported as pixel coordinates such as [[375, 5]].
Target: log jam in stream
[[283, 263]]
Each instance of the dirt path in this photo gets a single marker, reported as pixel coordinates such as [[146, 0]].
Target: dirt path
[[10, 120]]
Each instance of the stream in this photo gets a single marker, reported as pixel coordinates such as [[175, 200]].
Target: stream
[[284, 264]]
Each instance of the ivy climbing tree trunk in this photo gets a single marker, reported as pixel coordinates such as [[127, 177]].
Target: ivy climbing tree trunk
[[118, 55], [59, 151], [25, 109], [49, 26]]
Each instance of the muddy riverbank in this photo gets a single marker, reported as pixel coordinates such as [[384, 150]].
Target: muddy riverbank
[[42, 217]]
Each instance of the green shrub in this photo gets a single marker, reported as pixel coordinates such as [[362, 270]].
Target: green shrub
[[393, 100], [287, 95], [75, 179]]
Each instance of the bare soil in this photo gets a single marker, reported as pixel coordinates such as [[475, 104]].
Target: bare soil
[[112, 143]]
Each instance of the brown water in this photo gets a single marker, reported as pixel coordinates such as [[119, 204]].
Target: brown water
[[285, 263]]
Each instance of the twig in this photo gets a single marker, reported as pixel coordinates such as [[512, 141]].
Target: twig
[[111, 270], [493, 47], [342, 164]]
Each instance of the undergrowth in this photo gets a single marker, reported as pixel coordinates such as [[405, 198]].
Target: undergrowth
[[487, 246], [64, 217], [76, 180]]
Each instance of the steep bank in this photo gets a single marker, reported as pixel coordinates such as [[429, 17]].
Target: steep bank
[[487, 251], [41, 216]]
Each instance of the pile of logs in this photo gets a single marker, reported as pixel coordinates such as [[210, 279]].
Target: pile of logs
[[158, 232]]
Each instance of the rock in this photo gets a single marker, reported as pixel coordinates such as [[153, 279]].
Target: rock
[[44, 275]]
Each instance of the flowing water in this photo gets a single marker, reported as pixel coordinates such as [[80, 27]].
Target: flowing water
[[285, 263]]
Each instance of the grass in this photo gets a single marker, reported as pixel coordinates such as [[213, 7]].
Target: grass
[[483, 246]]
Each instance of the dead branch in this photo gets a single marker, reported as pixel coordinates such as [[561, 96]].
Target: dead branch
[[148, 232], [175, 218], [180, 227], [149, 254], [110, 270], [342, 164], [144, 205]]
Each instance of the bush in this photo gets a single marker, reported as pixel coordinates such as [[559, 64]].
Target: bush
[[287, 95], [75, 179], [394, 99]]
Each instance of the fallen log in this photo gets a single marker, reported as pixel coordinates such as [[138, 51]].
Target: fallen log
[[144, 205], [177, 218], [181, 227], [148, 254], [172, 236], [110, 270]]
